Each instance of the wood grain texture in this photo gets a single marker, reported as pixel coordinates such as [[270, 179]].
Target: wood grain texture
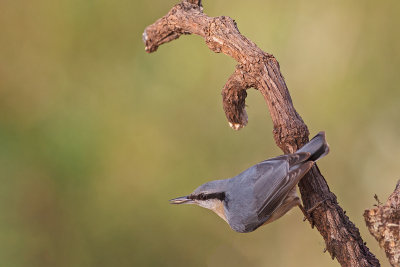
[[383, 223], [260, 70]]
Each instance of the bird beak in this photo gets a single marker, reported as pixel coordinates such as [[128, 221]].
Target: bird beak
[[181, 200]]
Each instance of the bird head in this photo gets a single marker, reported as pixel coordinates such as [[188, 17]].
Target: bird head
[[210, 195]]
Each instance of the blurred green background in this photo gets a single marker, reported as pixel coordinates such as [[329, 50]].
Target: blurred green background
[[96, 135]]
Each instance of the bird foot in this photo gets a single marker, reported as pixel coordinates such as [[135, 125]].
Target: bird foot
[[308, 212]]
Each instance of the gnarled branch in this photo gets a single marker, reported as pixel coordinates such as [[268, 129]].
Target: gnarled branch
[[261, 71], [234, 97], [383, 223]]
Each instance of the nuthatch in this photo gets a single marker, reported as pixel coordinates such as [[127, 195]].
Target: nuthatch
[[262, 193]]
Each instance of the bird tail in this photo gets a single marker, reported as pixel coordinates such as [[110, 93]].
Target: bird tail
[[317, 147]]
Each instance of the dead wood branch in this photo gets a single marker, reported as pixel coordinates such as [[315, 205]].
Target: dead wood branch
[[261, 71], [383, 223]]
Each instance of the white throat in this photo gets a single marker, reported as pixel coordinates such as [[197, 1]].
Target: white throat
[[215, 205]]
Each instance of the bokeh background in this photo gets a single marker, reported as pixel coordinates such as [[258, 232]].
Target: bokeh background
[[96, 135]]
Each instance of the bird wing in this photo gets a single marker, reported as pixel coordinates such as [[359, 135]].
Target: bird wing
[[274, 181]]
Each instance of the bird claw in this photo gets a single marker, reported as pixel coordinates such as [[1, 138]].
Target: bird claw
[[308, 212]]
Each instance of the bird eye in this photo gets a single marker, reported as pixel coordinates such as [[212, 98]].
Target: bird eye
[[202, 196]]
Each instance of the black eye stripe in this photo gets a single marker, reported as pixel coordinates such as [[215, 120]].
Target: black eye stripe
[[202, 196]]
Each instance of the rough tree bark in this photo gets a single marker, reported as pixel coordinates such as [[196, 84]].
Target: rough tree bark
[[260, 70], [383, 223]]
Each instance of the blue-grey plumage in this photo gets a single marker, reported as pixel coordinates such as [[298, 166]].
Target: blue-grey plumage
[[263, 192]]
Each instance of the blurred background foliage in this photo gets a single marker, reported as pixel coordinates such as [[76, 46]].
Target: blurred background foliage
[[96, 135]]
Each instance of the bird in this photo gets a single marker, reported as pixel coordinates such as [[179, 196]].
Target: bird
[[261, 194]]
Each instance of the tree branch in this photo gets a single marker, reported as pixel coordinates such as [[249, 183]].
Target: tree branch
[[383, 223], [234, 97], [261, 71]]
